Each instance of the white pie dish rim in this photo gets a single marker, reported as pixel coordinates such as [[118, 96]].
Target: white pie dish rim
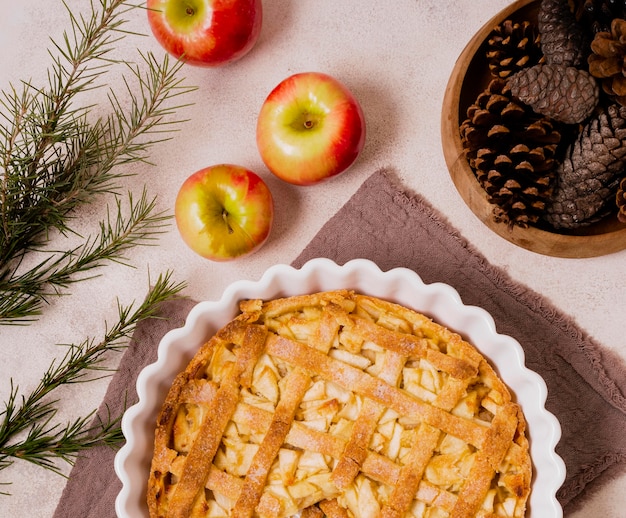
[[437, 300]]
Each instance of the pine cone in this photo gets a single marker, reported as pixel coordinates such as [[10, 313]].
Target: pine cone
[[596, 15], [511, 47], [608, 60], [512, 153], [563, 40], [565, 94], [589, 174], [620, 199]]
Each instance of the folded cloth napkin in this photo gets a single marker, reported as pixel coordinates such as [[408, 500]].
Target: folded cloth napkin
[[393, 228]]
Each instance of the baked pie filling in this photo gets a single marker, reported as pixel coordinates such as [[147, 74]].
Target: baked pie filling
[[343, 405]]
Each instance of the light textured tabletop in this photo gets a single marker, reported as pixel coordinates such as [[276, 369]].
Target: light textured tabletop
[[396, 57]]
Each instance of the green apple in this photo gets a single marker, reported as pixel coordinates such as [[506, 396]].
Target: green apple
[[224, 211], [310, 128]]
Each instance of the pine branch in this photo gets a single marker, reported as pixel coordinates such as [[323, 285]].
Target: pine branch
[[26, 293], [46, 444], [27, 428], [82, 162], [53, 158], [46, 127]]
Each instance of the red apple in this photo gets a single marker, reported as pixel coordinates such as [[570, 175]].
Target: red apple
[[206, 32], [224, 211], [310, 128]]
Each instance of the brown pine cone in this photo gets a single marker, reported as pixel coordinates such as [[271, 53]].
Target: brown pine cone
[[620, 199], [565, 94], [588, 176], [563, 40], [512, 46], [512, 151], [608, 60]]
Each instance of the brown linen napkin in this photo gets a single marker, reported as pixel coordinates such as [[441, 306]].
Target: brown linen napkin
[[383, 223]]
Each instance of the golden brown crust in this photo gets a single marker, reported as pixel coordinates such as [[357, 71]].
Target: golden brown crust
[[341, 404]]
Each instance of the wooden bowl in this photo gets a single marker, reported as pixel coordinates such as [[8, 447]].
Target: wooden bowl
[[471, 76]]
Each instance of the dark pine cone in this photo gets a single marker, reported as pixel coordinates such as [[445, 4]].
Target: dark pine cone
[[596, 15], [588, 177], [512, 46], [512, 151], [563, 40], [565, 94], [607, 61]]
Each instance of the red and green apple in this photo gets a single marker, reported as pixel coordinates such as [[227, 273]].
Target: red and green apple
[[206, 32], [224, 211], [310, 128]]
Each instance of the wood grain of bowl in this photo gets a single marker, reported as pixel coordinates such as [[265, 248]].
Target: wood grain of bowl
[[469, 77]]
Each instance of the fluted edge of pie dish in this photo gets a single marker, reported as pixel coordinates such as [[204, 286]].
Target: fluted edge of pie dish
[[437, 300]]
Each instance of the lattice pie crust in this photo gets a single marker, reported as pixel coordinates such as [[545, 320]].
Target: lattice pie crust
[[338, 404]]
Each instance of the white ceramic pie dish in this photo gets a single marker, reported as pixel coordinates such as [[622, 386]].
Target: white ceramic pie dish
[[439, 301]]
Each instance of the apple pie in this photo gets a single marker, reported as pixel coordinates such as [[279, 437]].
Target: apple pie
[[342, 405]]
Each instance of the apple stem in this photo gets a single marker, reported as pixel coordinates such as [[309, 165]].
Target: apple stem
[[190, 11], [308, 124], [225, 217]]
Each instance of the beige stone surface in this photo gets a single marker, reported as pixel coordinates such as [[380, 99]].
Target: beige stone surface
[[396, 56]]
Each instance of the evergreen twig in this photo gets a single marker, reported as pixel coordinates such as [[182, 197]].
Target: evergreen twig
[[25, 293], [27, 428], [53, 158]]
